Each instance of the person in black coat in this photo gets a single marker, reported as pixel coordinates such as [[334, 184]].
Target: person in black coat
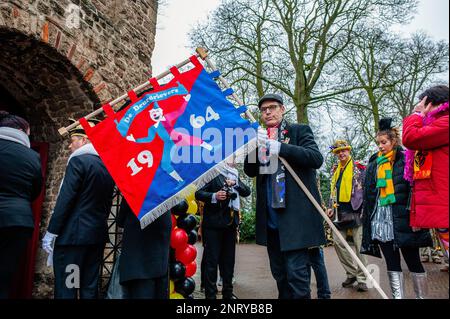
[[144, 260], [286, 220], [398, 235], [78, 226], [219, 228], [20, 184]]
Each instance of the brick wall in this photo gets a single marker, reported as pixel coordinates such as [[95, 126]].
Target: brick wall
[[61, 59]]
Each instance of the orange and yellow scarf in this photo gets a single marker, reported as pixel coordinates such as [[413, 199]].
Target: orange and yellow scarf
[[384, 178]]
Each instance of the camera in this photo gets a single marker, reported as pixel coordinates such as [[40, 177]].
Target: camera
[[229, 190]]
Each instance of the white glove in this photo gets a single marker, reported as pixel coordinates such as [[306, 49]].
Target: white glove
[[262, 137], [48, 241], [274, 147]]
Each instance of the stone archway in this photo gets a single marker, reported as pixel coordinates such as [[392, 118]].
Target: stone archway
[[51, 70], [45, 88]]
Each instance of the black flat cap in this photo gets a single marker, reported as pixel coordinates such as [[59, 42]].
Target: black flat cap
[[270, 97]]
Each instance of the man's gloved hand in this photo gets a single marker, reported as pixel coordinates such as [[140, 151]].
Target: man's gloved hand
[[262, 137], [48, 242], [274, 147]]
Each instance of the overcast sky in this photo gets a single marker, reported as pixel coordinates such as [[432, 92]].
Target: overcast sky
[[177, 17]]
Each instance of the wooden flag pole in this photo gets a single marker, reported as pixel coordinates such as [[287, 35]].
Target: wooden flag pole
[[204, 56], [202, 53], [335, 230], [64, 130]]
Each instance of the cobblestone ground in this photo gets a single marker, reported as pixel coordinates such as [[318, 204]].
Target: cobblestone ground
[[254, 280]]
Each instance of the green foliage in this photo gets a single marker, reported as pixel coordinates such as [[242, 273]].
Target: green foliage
[[325, 187], [247, 229]]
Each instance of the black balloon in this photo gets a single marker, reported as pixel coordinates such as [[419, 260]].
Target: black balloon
[[180, 209], [185, 287], [187, 223], [172, 257], [192, 237], [177, 271]]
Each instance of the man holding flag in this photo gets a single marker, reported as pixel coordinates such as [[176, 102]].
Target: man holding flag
[[286, 221]]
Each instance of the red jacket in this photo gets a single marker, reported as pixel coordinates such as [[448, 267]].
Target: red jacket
[[429, 205]]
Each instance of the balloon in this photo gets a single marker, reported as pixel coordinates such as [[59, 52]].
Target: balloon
[[187, 223], [189, 192], [190, 297], [180, 209], [186, 255], [192, 208], [178, 239], [192, 237], [176, 271], [176, 295], [171, 287], [191, 269], [185, 287], [174, 221]]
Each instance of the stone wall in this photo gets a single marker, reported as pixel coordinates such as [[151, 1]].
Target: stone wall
[[62, 59]]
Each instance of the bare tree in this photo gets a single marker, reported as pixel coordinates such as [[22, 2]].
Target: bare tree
[[370, 62], [391, 71], [286, 45], [422, 63]]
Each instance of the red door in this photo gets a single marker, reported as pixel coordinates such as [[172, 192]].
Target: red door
[[23, 282]]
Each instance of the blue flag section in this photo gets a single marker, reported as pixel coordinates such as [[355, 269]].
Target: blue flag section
[[211, 117]]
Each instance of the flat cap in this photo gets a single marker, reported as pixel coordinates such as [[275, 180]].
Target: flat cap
[[270, 97]]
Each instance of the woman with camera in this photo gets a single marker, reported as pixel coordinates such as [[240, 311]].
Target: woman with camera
[[219, 227]]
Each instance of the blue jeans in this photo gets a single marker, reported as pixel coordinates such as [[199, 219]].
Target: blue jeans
[[318, 265]]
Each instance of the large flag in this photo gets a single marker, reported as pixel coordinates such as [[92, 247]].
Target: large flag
[[176, 135]]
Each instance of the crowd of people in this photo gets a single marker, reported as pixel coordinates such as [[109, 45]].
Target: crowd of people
[[390, 202]]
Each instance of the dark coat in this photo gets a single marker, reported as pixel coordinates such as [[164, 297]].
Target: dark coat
[[218, 215], [20, 184], [299, 224], [145, 252], [403, 234], [83, 204]]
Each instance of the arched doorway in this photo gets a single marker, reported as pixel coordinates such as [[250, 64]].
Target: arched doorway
[[41, 85]]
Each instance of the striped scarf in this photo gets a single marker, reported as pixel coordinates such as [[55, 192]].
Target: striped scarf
[[384, 178]]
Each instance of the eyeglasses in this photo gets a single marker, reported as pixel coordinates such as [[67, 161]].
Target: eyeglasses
[[271, 108]]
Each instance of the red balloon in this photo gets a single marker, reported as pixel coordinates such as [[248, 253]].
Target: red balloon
[[174, 221], [178, 239], [186, 255], [191, 269]]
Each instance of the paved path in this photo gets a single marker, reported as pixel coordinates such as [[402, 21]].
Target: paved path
[[254, 280]]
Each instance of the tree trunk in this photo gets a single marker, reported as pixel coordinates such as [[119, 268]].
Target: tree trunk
[[301, 106]]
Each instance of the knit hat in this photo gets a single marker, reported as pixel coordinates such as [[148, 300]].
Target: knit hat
[[340, 145]]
